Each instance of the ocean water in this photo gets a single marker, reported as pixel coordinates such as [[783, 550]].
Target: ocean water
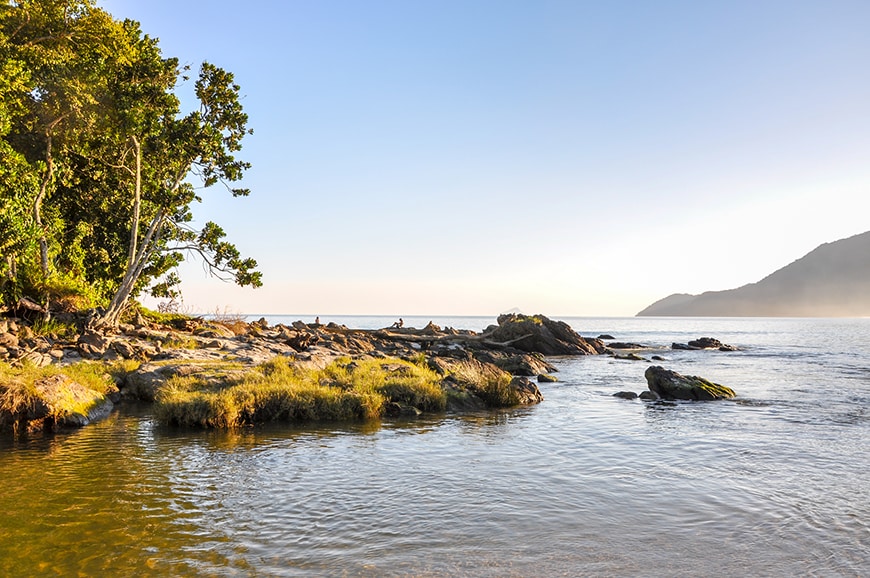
[[773, 483]]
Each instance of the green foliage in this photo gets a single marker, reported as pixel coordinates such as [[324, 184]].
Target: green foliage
[[55, 328], [65, 292], [96, 156], [168, 319]]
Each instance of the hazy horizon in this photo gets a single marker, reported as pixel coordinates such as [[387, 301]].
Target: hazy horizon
[[584, 158]]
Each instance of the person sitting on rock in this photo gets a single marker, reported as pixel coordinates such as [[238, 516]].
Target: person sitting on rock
[[398, 324]]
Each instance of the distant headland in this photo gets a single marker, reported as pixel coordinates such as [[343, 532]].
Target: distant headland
[[833, 280]]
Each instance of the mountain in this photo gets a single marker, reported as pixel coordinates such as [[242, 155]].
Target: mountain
[[833, 280]]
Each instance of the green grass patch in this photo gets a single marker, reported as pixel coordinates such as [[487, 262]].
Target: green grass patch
[[181, 342], [174, 320], [56, 328], [276, 391]]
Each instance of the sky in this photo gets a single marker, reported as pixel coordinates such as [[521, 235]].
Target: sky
[[570, 158]]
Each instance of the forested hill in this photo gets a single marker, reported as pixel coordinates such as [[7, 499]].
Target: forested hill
[[833, 280]]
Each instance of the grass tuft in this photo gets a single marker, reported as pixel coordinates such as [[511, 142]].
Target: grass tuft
[[488, 382]]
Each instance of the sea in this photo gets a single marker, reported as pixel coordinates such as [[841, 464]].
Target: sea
[[775, 482]]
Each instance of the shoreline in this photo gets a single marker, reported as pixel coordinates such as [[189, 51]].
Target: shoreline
[[237, 369]]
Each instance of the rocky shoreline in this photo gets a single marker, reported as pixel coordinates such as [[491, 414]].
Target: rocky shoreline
[[222, 352]]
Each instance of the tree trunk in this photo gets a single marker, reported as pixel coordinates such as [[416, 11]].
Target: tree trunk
[[37, 216], [110, 318], [137, 204]]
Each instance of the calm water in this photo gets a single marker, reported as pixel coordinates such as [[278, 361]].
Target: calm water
[[774, 483]]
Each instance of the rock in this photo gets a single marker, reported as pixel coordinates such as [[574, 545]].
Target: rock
[[705, 343], [124, 349], [395, 409], [623, 345], [8, 340], [605, 336], [667, 384], [92, 344], [300, 341], [658, 358], [430, 329], [547, 378], [70, 404], [37, 359], [145, 382], [648, 396], [539, 334], [4, 326], [625, 395], [516, 362], [527, 391], [630, 357]]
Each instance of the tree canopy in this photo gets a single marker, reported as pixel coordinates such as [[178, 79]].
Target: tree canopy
[[100, 167]]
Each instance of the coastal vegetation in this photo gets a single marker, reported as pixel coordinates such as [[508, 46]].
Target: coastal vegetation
[[344, 390], [98, 162], [55, 395]]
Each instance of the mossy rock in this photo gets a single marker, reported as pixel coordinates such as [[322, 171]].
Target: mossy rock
[[667, 384]]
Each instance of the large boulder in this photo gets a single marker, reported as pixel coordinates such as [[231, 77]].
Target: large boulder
[[667, 384], [538, 334], [526, 391]]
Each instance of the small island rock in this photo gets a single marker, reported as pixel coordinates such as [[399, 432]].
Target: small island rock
[[667, 384]]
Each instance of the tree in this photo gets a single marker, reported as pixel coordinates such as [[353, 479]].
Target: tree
[[59, 48], [98, 159], [162, 152]]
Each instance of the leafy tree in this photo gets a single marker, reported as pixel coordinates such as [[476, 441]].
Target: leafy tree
[[98, 158]]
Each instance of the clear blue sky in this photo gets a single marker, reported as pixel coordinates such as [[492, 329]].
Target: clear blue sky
[[563, 157]]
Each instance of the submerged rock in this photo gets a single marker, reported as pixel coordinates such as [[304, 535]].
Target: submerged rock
[[704, 343], [667, 384]]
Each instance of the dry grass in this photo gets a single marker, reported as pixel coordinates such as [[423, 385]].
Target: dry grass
[[491, 384]]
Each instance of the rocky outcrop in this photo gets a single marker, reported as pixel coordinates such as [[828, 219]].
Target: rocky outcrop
[[541, 335], [500, 360], [667, 384], [704, 343]]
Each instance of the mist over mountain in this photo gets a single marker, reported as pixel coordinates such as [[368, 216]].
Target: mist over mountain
[[833, 280]]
